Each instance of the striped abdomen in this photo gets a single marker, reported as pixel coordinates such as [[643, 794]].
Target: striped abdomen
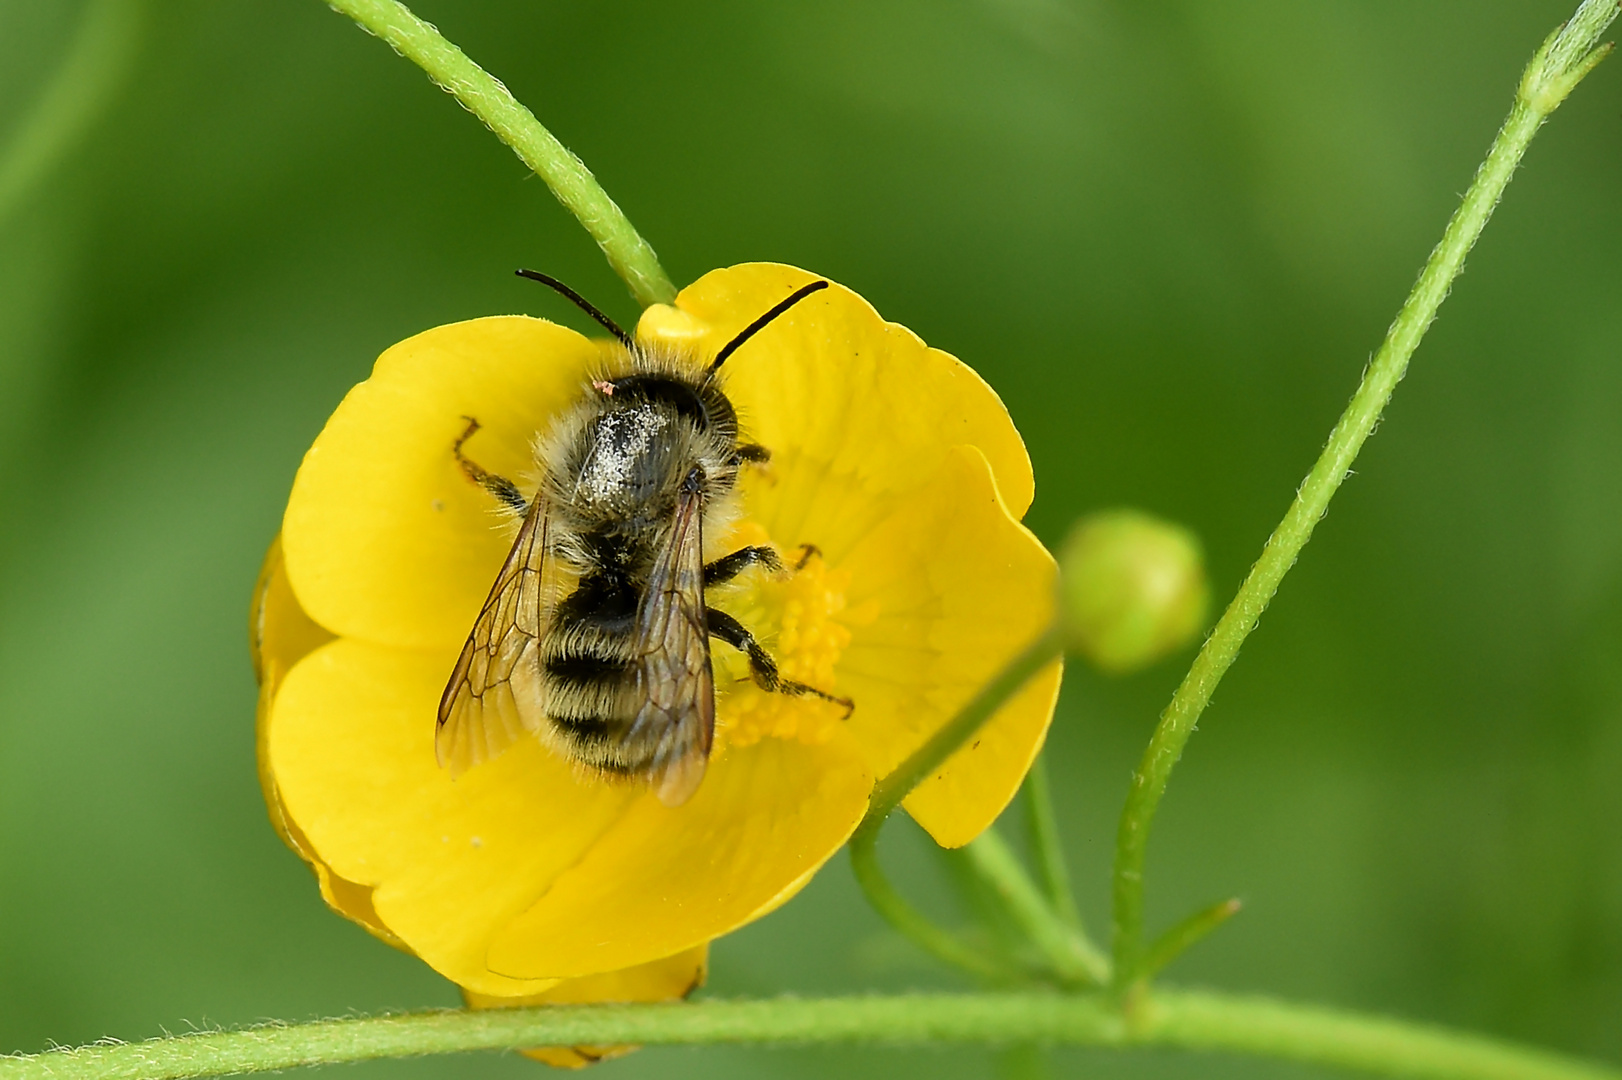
[[589, 670]]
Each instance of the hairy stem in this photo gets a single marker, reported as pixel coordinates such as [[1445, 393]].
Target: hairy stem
[[1562, 62], [1182, 1019], [483, 95]]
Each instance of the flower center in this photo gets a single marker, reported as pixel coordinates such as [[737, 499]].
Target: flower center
[[794, 617]]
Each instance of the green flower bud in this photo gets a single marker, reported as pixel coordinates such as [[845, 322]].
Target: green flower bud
[[1131, 589]]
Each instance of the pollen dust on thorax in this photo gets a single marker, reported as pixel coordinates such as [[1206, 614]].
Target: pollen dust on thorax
[[794, 615]]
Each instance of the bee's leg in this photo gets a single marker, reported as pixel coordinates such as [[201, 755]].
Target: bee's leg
[[730, 566], [499, 486], [761, 664], [807, 553], [753, 453]]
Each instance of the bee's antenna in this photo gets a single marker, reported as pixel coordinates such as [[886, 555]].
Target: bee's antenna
[[584, 305], [760, 324]]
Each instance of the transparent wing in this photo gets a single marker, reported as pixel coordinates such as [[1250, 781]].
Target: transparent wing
[[675, 723], [495, 692]]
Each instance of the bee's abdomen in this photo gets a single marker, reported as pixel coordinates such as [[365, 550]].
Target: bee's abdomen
[[589, 670], [582, 677]]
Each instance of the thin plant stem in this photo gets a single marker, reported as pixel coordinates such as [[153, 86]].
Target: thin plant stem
[[891, 789], [1189, 1020], [1073, 960], [1569, 54], [483, 95], [916, 926], [1047, 850], [1184, 935], [76, 93]]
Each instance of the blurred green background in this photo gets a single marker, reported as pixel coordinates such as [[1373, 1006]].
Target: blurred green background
[[1170, 234]]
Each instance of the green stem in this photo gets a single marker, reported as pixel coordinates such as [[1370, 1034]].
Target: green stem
[[1188, 1020], [1176, 941], [1047, 850], [1376, 1044], [891, 789], [914, 925], [1565, 58], [82, 85], [483, 95], [1072, 959]]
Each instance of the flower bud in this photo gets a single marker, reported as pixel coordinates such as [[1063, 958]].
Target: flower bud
[[1131, 589]]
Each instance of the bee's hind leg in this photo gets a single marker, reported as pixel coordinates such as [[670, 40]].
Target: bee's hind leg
[[761, 664], [499, 486]]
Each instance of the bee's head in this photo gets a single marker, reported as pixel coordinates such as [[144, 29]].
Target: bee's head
[[697, 398]]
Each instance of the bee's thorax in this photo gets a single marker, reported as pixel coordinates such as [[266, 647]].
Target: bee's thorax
[[623, 460]]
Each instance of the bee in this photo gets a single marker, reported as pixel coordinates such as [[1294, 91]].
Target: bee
[[596, 634]]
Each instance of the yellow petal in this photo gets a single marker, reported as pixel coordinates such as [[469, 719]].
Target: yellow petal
[[385, 538], [280, 634], [665, 879], [350, 744], [942, 594], [669, 979], [349, 899], [831, 387]]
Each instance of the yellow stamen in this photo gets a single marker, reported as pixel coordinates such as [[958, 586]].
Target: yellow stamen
[[795, 617]]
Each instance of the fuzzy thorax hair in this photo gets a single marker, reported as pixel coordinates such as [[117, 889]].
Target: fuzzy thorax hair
[[613, 464]]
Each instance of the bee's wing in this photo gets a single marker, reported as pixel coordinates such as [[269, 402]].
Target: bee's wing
[[675, 722], [494, 693]]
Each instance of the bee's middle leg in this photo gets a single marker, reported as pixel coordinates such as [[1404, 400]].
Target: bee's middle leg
[[761, 664], [499, 486]]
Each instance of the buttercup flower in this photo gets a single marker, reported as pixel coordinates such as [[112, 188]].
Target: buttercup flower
[[526, 877]]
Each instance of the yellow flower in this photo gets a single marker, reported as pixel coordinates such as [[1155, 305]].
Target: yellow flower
[[524, 876]]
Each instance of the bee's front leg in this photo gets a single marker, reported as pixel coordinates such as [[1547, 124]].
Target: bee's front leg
[[499, 486], [730, 566], [752, 453]]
